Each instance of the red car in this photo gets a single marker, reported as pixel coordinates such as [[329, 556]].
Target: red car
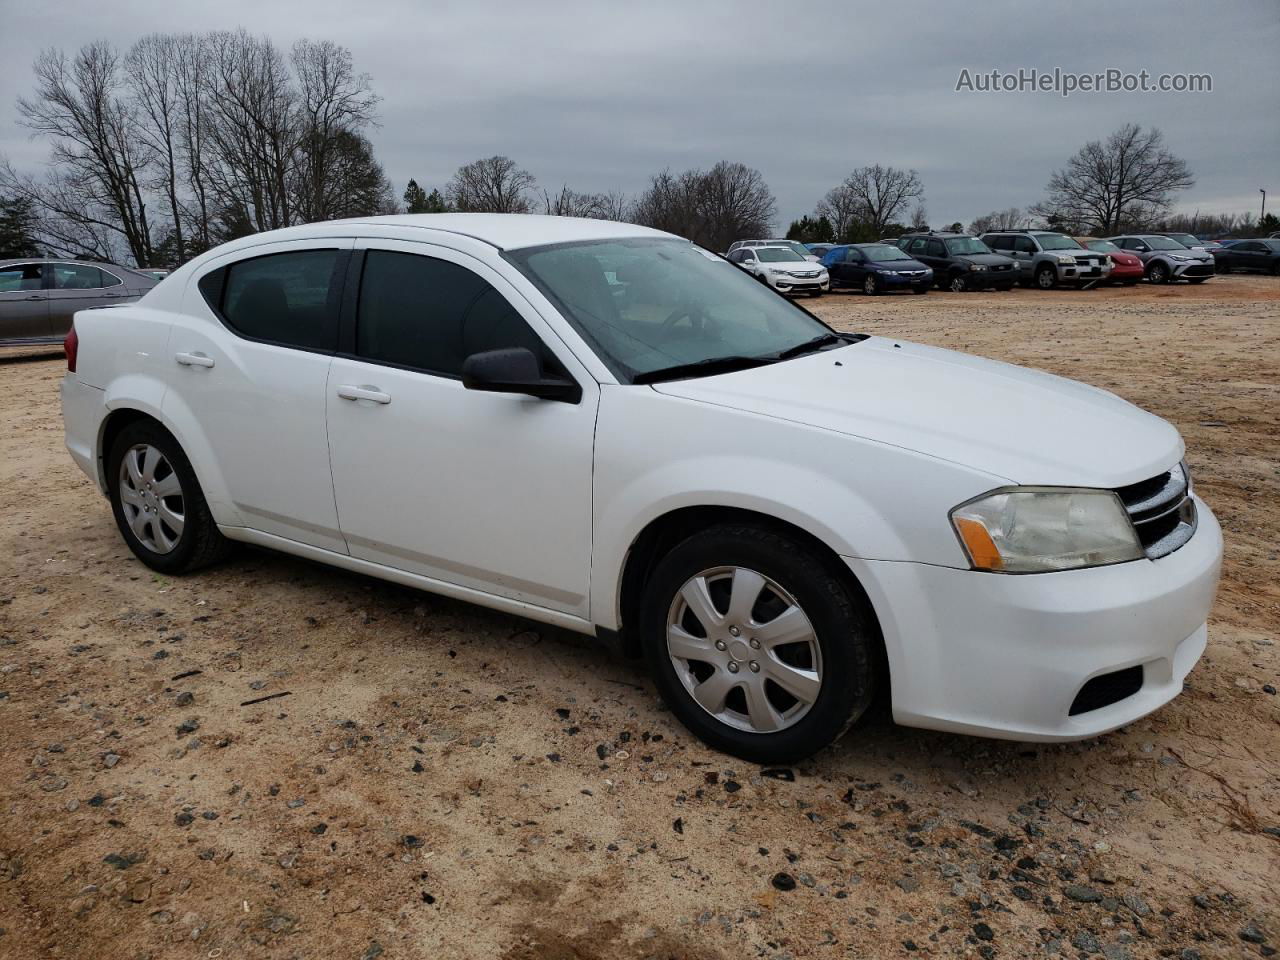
[[1125, 267]]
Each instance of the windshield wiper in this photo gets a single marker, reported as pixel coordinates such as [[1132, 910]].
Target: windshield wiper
[[702, 368], [811, 346]]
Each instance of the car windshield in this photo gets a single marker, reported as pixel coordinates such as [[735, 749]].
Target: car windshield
[[649, 305], [1056, 241], [778, 255], [1162, 243], [1186, 239], [878, 252], [1273, 245], [1102, 246], [961, 246]]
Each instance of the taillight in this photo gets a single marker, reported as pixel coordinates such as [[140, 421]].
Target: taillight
[[70, 346]]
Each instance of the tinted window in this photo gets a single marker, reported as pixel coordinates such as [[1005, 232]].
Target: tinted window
[[853, 255], [916, 245], [23, 276], [431, 314], [286, 298], [76, 276], [936, 249], [1023, 245], [999, 243]]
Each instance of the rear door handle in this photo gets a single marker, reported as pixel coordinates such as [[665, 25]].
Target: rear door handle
[[349, 391], [196, 359], [34, 296]]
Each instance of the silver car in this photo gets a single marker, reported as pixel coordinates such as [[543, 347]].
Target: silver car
[[38, 297], [1166, 259]]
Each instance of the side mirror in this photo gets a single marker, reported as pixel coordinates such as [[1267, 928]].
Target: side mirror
[[1142, 248], [515, 370]]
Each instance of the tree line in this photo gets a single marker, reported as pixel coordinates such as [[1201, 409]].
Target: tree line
[[185, 141]]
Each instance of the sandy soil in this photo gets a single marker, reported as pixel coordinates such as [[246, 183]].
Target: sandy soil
[[433, 780]]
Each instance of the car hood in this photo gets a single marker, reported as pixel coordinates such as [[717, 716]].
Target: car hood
[[1022, 425], [985, 259], [897, 264]]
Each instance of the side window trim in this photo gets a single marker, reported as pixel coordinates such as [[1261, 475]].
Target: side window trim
[[336, 293]]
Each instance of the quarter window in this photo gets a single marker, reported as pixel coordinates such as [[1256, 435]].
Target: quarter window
[[429, 314], [285, 298]]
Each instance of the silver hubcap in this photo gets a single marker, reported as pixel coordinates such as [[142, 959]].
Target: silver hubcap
[[744, 650], [957, 284], [151, 498], [1046, 279], [870, 285]]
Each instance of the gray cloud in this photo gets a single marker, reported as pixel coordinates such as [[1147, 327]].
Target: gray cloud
[[600, 96]]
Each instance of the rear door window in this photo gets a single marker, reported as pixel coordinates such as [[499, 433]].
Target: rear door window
[[77, 276], [289, 298]]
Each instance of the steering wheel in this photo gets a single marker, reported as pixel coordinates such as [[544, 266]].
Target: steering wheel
[[694, 313]]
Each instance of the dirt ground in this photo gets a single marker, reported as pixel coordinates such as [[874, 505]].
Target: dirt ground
[[433, 780]]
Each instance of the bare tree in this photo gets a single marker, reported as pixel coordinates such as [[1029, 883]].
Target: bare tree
[[713, 208], [841, 206], [1126, 181], [1009, 219], [491, 185], [881, 194], [334, 105], [193, 78], [919, 216], [152, 68], [100, 166]]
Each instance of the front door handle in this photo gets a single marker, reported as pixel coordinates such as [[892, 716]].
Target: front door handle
[[34, 296], [196, 359], [349, 391]]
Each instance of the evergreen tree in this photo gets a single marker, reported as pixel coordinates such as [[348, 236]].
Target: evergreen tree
[[435, 203], [415, 198], [17, 229]]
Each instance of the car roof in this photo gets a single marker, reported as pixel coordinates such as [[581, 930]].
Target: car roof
[[506, 231]]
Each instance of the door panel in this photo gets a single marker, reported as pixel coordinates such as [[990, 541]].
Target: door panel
[[261, 406], [24, 303], [483, 490]]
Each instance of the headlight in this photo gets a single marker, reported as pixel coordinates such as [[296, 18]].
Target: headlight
[[976, 266], [1037, 529], [1178, 256], [1064, 258]]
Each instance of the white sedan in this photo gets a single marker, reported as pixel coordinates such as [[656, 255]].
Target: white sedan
[[783, 269], [607, 428]]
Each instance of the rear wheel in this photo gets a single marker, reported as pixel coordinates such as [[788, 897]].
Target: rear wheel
[[757, 646], [157, 502], [871, 286]]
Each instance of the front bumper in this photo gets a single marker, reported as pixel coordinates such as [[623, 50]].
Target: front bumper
[[1006, 656], [1082, 274], [786, 284], [922, 281], [1193, 268]]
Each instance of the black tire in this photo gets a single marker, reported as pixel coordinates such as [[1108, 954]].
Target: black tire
[[1046, 278], [1158, 272], [846, 631], [871, 286], [200, 543], [958, 283]]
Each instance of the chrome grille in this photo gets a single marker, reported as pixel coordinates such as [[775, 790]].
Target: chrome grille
[[1162, 511]]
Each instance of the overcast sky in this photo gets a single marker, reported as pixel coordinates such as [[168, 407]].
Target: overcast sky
[[601, 95]]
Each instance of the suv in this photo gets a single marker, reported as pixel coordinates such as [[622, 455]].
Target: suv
[[960, 262], [1046, 258], [1166, 260], [607, 428]]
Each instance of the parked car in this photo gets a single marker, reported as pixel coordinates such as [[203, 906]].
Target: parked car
[[1260, 256], [1167, 260], [820, 250], [39, 296], [159, 273], [1126, 268], [783, 269], [1192, 242], [795, 245], [603, 427], [961, 262], [1046, 258], [876, 268]]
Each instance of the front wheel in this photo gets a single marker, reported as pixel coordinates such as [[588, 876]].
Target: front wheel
[[157, 501], [760, 648], [870, 286], [1046, 278], [958, 283], [1158, 273]]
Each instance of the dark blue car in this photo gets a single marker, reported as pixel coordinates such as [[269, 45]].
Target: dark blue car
[[875, 268]]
